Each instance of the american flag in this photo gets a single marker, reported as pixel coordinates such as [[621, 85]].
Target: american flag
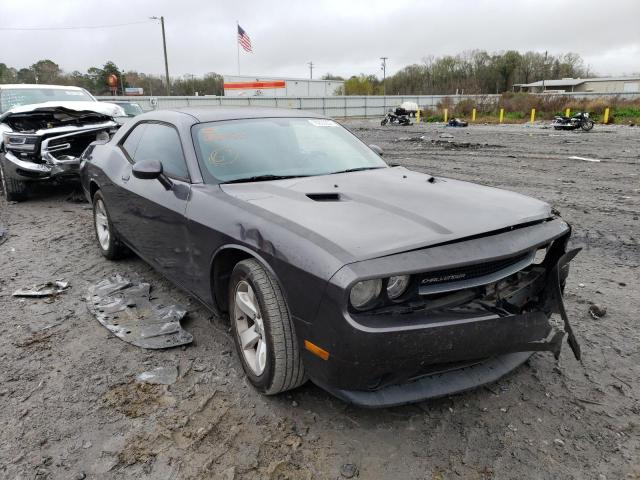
[[244, 40]]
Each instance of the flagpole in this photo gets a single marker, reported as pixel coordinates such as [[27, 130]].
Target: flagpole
[[238, 44]]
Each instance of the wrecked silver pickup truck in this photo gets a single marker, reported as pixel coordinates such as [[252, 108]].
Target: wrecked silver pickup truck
[[44, 141]]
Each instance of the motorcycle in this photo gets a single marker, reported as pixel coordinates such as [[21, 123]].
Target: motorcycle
[[399, 116], [578, 120]]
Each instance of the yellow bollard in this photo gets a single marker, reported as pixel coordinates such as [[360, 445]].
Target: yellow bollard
[[473, 115], [418, 116], [501, 114], [605, 120], [446, 115], [533, 115], [567, 112]]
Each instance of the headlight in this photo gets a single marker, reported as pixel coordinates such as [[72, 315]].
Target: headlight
[[363, 293], [397, 285], [20, 142]]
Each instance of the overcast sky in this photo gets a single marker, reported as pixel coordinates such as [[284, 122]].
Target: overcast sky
[[343, 37]]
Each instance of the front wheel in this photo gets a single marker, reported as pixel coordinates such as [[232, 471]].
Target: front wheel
[[587, 125], [263, 330], [384, 121], [110, 246], [14, 190]]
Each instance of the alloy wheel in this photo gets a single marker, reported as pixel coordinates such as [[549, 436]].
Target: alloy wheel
[[249, 326], [102, 225]]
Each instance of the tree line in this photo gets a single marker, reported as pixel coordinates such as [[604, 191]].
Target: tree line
[[471, 72], [95, 79]]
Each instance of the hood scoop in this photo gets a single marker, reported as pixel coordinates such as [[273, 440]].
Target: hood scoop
[[325, 197]]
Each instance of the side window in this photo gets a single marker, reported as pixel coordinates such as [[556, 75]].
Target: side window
[[160, 142], [133, 139]]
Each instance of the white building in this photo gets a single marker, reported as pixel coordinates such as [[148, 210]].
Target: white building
[[246, 86], [595, 85]]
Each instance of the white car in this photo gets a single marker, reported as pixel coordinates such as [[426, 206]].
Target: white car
[[43, 131]]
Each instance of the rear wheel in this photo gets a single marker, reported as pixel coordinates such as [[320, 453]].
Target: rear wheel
[[263, 331], [108, 242], [14, 190]]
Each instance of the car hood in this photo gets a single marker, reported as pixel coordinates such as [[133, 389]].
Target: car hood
[[379, 212], [108, 110]]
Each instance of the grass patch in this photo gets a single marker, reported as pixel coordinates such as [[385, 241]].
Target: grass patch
[[514, 115]]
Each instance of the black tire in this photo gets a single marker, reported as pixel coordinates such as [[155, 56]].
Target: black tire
[[113, 248], [384, 122], [587, 125], [283, 369], [14, 190]]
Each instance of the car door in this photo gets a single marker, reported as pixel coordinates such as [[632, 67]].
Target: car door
[[154, 212]]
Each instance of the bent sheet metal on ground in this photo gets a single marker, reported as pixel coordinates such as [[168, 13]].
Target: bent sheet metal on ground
[[123, 306]]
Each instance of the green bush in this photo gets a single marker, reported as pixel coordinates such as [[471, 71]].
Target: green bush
[[630, 111], [515, 115], [435, 118]]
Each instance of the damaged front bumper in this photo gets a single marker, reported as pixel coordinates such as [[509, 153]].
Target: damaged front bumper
[[435, 346], [49, 170], [53, 154]]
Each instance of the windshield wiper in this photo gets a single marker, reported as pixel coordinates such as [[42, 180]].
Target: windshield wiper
[[357, 169], [263, 178]]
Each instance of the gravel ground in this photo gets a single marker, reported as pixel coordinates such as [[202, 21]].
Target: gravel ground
[[71, 407]]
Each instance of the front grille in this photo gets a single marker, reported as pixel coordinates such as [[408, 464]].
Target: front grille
[[469, 272]]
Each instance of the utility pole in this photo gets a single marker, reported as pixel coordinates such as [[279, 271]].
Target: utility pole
[[164, 46], [384, 74], [544, 69], [310, 70]]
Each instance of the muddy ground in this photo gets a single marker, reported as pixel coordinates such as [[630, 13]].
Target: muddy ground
[[72, 409]]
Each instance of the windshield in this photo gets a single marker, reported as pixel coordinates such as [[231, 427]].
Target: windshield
[[16, 97], [131, 109], [278, 147]]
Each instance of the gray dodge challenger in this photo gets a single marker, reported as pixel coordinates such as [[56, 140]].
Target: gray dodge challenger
[[382, 285]]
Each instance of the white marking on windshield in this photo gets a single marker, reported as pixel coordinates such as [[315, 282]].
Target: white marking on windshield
[[319, 122]]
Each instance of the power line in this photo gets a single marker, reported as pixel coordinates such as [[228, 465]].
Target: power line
[[84, 27]]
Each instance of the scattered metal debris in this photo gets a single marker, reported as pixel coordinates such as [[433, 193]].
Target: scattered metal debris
[[4, 234], [446, 135], [124, 308], [76, 196], [42, 290], [596, 310], [159, 376], [349, 470], [411, 139], [585, 159]]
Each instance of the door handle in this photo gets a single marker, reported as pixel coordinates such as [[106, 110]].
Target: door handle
[[126, 177]]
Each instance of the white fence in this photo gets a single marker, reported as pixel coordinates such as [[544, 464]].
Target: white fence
[[344, 106]]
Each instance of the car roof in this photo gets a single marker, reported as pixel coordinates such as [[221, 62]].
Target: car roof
[[39, 85], [214, 114]]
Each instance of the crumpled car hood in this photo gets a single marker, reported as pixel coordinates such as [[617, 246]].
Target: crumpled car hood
[[389, 210], [108, 110]]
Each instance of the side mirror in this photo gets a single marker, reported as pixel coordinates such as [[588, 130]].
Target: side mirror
[[147, 169], [376, 149]]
